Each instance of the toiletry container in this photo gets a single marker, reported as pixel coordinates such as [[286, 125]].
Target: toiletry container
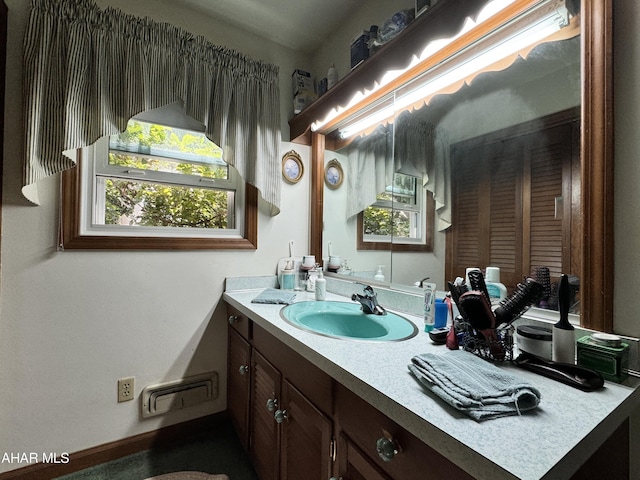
[[442, 313], [429, 302], [604, 353], [332, 76], [379, 276], [288, 276], [536, 340], [321, 286], [497, 291]]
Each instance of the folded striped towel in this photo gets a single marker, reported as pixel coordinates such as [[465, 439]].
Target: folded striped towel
[[474, 386], [273, 295]]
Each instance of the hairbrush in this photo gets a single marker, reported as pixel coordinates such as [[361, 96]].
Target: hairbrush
[[481, 318]]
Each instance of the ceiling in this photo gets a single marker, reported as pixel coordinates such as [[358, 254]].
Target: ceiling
[[292, 23]]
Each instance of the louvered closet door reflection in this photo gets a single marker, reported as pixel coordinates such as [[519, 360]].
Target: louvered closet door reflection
[[515, 202], [467, 203], [487, 206], [550, 201], [505, 250]]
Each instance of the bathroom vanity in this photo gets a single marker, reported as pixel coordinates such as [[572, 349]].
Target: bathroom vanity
[[310, 406]]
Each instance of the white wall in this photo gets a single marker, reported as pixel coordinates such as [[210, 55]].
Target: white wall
[[74, 322], [336, 49]]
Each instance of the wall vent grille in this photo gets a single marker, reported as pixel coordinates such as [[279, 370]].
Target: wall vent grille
[[176, 395]]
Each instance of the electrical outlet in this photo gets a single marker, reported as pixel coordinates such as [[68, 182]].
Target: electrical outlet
[[125, 389]]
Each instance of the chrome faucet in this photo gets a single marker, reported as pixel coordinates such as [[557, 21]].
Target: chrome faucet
[[369, 302]]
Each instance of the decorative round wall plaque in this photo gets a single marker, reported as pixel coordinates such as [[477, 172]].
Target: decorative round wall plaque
[[292, 168], [333, 174]]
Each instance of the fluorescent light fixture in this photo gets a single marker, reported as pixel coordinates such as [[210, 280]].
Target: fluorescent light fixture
[[380, 116], [531, 36], [500, 45], [491, 9]]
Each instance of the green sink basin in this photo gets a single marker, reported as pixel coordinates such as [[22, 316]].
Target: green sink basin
[[346, 320]]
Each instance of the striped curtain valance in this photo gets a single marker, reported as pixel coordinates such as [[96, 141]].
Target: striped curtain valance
[[421, 149], [369, 168], [87, 71], [412, 147]]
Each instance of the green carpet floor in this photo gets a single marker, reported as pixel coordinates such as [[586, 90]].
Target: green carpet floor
[[218, 451]]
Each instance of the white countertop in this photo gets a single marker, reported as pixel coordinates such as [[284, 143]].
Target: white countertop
[[550, 442]]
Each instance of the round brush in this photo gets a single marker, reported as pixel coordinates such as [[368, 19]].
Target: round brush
[[512, 307]]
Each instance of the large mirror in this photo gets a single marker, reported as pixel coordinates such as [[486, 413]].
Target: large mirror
[[559, 84], [526, 102]]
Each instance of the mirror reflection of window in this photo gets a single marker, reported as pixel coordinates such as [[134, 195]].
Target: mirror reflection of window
[[398, 213]]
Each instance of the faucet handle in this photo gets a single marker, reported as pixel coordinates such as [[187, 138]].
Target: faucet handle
[[368, 289]]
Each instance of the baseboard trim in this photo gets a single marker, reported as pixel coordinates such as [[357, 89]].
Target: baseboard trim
[[120, 448]]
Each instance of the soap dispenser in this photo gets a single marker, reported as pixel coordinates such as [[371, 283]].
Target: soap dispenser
[[379, 276], [321, 285], [496, 290]]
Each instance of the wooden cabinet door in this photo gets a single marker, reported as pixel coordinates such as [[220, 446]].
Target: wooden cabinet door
[[238, 384], [354, 465], [264, 439], [306, 438]]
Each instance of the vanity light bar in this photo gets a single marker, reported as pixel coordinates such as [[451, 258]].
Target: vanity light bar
[[531, 36], [535, 25], [488, 12], [550, 20]]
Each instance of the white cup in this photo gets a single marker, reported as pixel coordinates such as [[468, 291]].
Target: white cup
[[308, 262]]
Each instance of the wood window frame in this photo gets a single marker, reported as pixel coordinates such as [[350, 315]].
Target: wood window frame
[[72, 238]]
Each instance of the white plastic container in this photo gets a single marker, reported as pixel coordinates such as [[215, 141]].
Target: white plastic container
[[332, 76], [321, 286], [497, 291], [535, 340]]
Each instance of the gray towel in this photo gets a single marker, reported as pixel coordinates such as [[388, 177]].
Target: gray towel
[[474, 386], [273, 295]]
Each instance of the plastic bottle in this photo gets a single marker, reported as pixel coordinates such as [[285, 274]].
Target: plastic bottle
[[288, 281], [497, 291], [379, 276], [372, 44], [321, 286], [332, 76]]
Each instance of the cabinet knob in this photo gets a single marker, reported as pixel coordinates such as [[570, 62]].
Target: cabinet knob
[[243, 369], [272, 404], [280, 416], [234, 319], [387, 447]]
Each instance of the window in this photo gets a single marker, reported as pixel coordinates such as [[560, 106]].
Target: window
[[402, 215], [154, 186]]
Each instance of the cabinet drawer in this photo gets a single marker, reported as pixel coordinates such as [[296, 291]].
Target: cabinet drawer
[[364, 425], [239, 322]]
